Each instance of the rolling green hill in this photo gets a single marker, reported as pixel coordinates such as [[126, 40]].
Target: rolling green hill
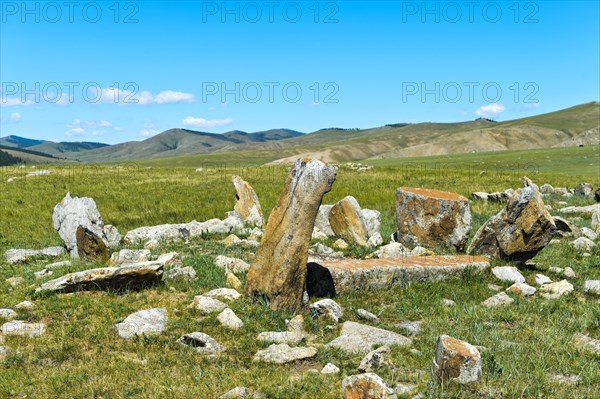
[[19, 142], [65, 149]]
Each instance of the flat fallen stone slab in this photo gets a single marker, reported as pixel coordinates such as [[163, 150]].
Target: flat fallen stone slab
[[130, 276], [586, 210], [381, 274], [360, 338]]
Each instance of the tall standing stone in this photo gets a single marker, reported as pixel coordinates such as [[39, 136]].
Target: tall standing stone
[[70, 213], [519, 231], [247, 203], [432, 218], [278, 272]]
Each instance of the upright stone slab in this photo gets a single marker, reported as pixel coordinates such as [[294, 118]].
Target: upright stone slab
[[91, 247], [432, 217], [247, 203], [519, 231], [347, 221], [71, 213], [278, 272]]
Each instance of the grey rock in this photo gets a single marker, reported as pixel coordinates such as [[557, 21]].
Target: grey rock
[[112, 236], [283, 353], [14, 256], [508, 273], [410, 327], [587, 343], [144, 322], [56, 265], [228, 294], [583, 244], [592, 287], [185, 273], [584, 210], [584, 189], [233, 265], [25, 305], [392, 250], [330, 368], [19, 327], [208, 305], [367, 385], [229, 319], [329, 308], [556, 290], [499, 299], [589, 233], [293, 336], [359, 338], [372, 219], [366, 315], [375, 359], [8, 314], [540, 279], [125, 256], [456, 360], [322, 221], [521, 289]]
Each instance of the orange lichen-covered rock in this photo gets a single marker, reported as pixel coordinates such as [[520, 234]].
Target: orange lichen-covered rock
[[456, 360], [432, 218]]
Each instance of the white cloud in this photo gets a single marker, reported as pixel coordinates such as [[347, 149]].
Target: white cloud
[[104, 123], [490, 111], [15, 117], [148, 132], [205, 123], [75, 131], [78, 128], [124, 97], [14, 102]]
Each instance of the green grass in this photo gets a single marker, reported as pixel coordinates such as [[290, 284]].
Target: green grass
[[81, 356]]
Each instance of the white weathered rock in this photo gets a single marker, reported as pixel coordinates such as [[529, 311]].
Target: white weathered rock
[[587, 343], [421, 251], [37, 173], [201, 343], [242, 393], [589, 233], [410, 327], [229, 319], [324, 250], [293, 336], [186, 273], [8, 314], [208, 305], [112, 236], [70, 213], [498, 300], [330, 368], [43, 273], [592, 287], [456, 360], [283, 353], [405, 389], [322, 221], [522, 289], [565, 379], [340, 244], [152, 244], [144, 322], [228, 294], [568, 272], [375, 359], [366, 315], [170, 259], [540, 279], [556, 290], [448, 302], [508, 273], [392, 250], [584, 210], [494, 287], [19, 327], [375, 240], [329, 308], [14, 256], [56, 265], [25, 305], [359, 338], [233, 265], [368, 385], [372, 219], [125, 256]]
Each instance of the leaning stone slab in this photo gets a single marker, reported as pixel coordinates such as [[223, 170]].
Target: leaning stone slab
[[347, 222], [456, 360], [14, 256], [359, 338], [383, 274], [247, 204], [90, 246], [130, 276], [144, 322], [283, 353]]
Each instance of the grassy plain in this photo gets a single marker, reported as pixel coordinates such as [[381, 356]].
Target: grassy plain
[[81, 356]]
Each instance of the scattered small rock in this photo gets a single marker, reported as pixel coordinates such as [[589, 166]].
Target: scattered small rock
[[368, 385], [359, 338], [19, 327], [283, 353], [144, 322], [201, 343], [587, 343], [540, 279], [456, 360], [25, 305], [233, 281], [330, 368], [375, 359], [236, 266], [410, 327], [508, 273], [521, 289], [556, 290], [592, 287], [499, 299], [583, 244], [365, 315], [185, 273], [8, 314], [229, 319], [208, 305], [448, 302], [125, 256], [228, 294], [329, 308]]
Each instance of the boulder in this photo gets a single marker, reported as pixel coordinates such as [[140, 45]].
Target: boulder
[[201, 343], [366, 386], [584, 189], [90, 246], [456, 360], [519, 231], [208, 305], [329, 308], [347, 222], [283, 353], [144, 322], [358, 338], [508, 273], [432, 218], [131, 276], [14, 256], [247, 204], [229, 319], [278, 273], [70, 213]]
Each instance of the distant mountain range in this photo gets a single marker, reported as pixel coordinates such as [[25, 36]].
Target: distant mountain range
[[579, 125]]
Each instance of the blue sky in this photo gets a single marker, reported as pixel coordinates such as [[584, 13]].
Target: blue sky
[[120, 71]]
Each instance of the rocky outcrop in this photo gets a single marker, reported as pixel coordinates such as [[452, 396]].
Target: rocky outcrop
[[71, 213], [432, 218], [247, 204], [278, 272], [519, 231]]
